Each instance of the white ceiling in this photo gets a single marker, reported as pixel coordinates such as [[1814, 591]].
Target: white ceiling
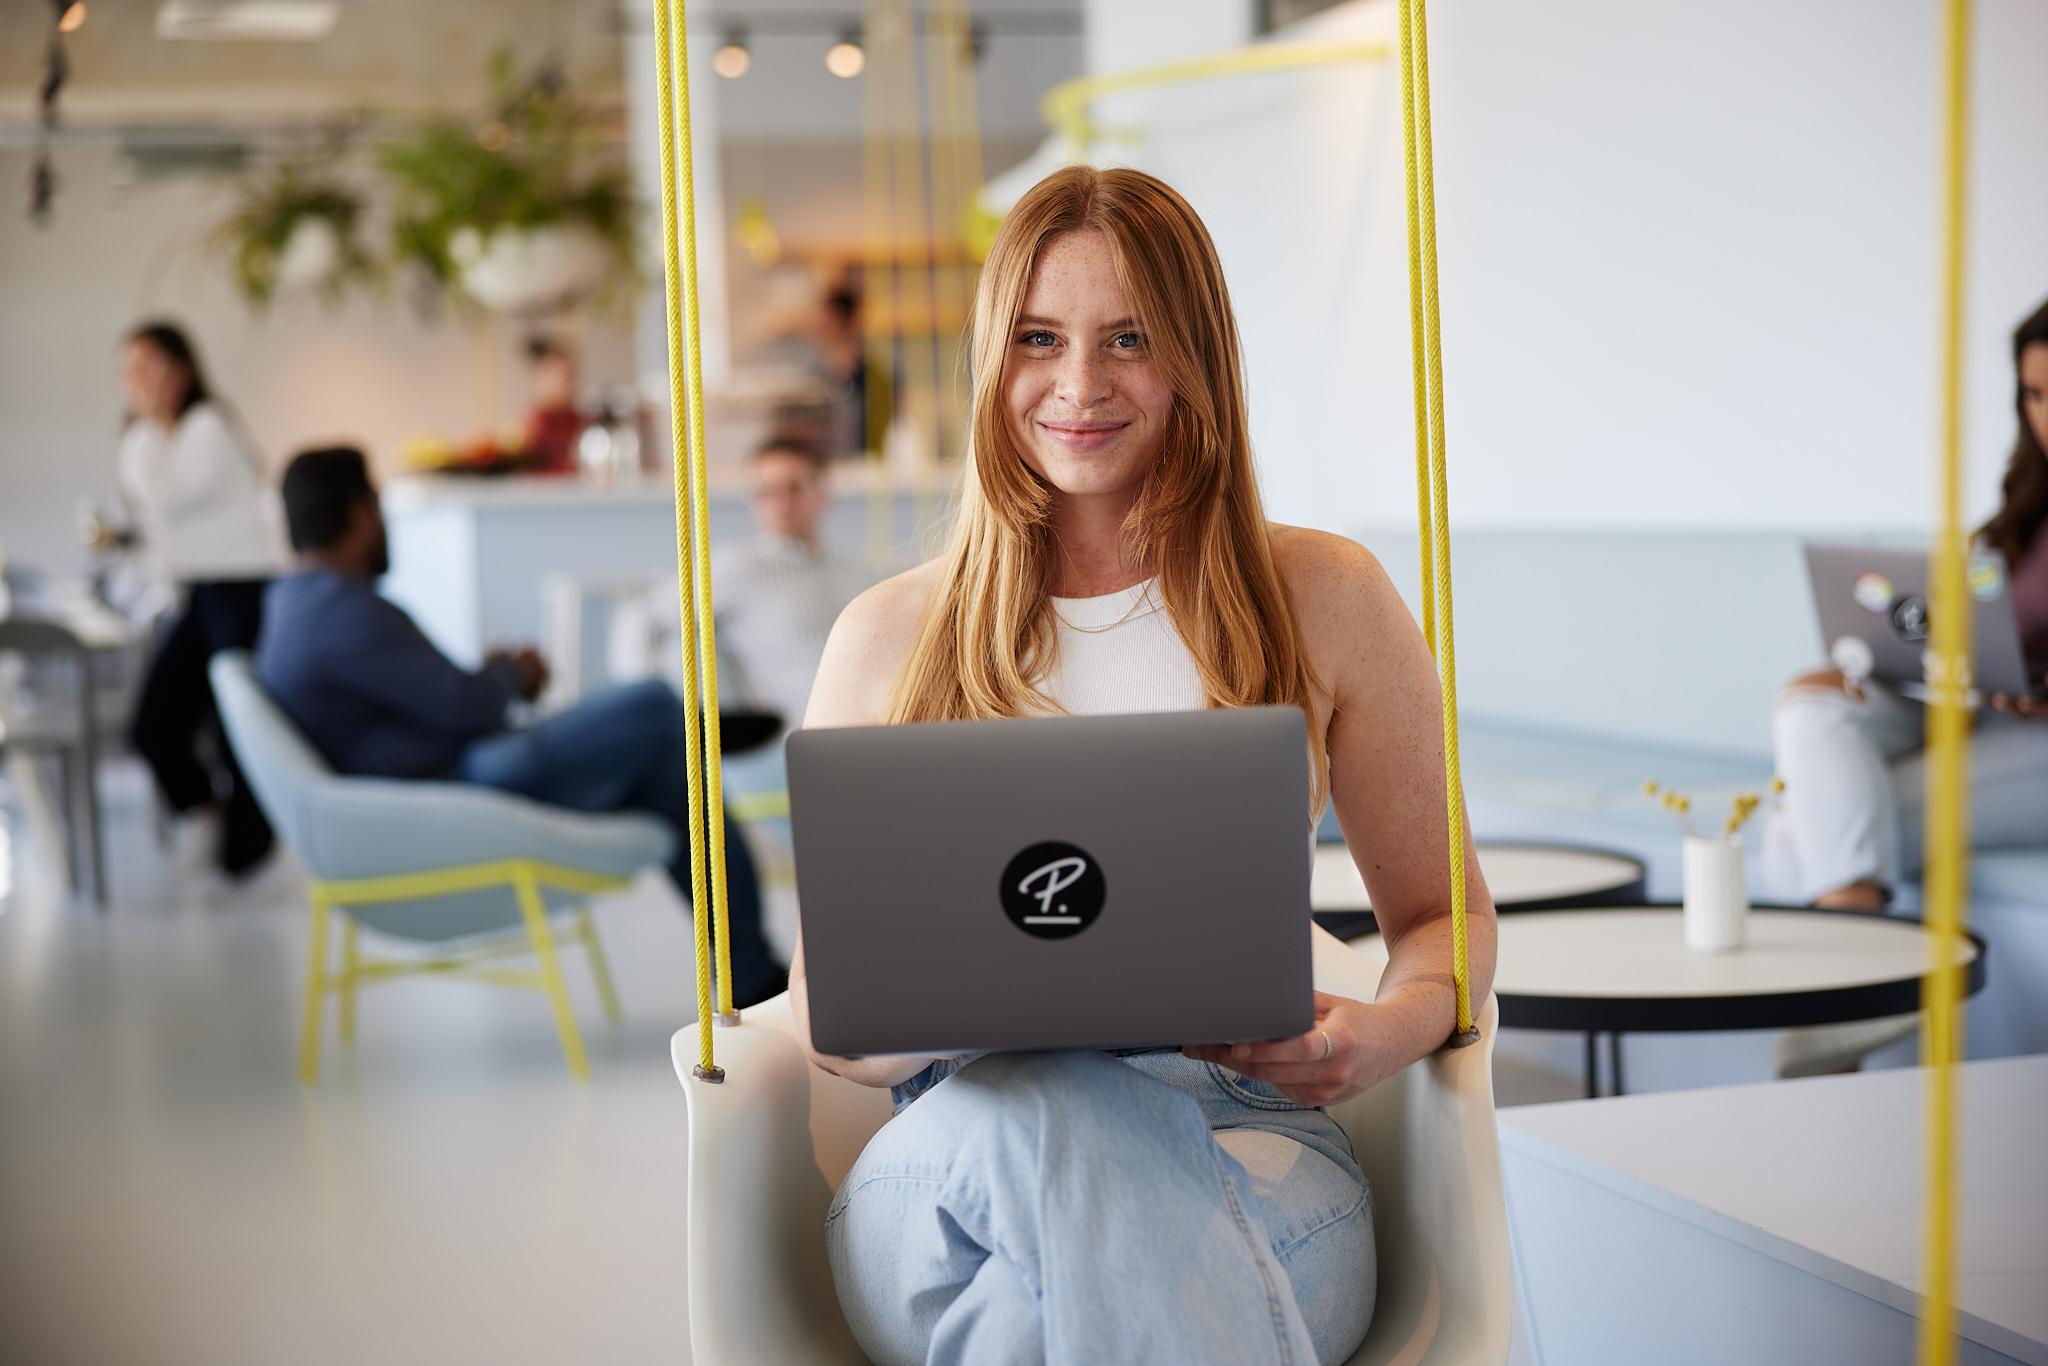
[[411, 54]]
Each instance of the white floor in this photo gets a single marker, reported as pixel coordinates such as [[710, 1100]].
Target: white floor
[[169, 1193]]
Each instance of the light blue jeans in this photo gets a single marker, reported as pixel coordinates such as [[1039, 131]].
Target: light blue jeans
[[1076, 1207]]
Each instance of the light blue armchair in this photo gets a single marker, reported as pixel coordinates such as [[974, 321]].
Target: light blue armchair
[[475, 871]]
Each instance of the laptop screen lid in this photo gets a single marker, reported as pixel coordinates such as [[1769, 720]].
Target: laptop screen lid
[[1880, 597], [1061, 882]]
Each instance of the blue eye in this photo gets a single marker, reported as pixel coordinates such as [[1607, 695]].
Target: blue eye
[[1129, 341], [1039, 339]]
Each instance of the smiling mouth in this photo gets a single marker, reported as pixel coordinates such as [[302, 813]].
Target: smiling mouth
[[1083, 436]]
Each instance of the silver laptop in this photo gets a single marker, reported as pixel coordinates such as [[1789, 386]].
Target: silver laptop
[[1069, 882], [1880, 598]]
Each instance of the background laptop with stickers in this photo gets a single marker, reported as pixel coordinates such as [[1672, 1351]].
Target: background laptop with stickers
[[1067, 882], [1873, 609]]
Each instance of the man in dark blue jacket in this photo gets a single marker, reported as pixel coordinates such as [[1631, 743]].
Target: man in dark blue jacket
[[373, 694]]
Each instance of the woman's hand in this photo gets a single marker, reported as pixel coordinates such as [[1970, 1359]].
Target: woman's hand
[[1330, 1064], [890, 1071]]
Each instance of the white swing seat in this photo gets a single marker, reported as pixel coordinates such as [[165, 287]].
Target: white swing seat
[[770, 1144]]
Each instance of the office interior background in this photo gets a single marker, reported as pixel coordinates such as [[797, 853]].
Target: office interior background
[[1690, 307]]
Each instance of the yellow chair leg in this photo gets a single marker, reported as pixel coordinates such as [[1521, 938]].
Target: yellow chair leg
[[350, 971], [534, 911], [316, 987], [586, 930]]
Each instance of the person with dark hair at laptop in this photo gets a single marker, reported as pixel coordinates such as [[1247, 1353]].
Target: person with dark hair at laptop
[[1110, 555], [375, 697], [1850, 751]]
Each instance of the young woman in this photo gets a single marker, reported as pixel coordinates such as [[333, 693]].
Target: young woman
[[1851, 756], [1111, 556], [195, 491]]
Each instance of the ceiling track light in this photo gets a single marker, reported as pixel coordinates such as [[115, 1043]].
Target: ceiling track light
[[847, 58], [732, 59]]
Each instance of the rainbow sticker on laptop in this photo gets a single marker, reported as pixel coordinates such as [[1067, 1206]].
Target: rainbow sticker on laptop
[[1873, 592]]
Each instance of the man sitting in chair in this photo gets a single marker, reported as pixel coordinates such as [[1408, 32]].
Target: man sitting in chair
[[376, 698]]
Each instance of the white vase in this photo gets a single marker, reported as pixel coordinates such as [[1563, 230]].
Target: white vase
[[528, 270], [1716, 898]]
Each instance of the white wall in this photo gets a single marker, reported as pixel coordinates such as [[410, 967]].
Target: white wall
[[1688, 259], [643, 133], [1123, 34]]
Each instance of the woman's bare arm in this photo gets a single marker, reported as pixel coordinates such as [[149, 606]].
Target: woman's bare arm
[[864, 656], [1383, 726]]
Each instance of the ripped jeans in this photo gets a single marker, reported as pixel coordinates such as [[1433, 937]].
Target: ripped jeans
[[1855, 777], [1075, 1207]]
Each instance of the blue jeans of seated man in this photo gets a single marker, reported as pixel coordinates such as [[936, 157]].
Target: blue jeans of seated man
[[1077, 1208], [625, 750]]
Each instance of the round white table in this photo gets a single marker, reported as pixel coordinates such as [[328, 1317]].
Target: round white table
[[1522, 877], [1625, 970]]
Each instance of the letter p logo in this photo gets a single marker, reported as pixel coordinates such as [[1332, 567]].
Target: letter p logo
[[1052, 890]]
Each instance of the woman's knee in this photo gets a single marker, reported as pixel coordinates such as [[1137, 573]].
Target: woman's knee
[[1819, 693], [1823, 681]]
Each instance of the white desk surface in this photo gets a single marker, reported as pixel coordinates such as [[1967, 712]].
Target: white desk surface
[[1826, 1173], [1640, 951], [1513, 872]]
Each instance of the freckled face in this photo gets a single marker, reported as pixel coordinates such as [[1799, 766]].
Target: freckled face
[[1087, 406]]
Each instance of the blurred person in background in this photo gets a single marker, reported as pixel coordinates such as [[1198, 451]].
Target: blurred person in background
[[777, 596], [842, 353], [194, 488], [774, 599], [555, 422], [1851, 752], [374, 696]]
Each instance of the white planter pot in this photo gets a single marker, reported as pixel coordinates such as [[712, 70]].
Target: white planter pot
[[528, 270], [310, 255]]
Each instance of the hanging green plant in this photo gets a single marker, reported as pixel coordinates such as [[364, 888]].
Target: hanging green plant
[[527, 210], [297, 229]]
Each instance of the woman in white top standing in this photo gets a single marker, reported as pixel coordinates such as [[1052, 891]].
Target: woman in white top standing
[[195, 490], [1111, 555]]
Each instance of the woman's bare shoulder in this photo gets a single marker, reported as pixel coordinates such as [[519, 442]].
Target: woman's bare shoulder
[[895, 606], [868, 647], [1361, 637], [1330, 574]]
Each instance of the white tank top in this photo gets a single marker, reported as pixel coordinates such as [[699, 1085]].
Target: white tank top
[[1119, 654]]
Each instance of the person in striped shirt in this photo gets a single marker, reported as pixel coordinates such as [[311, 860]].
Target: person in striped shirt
[[778, 594]]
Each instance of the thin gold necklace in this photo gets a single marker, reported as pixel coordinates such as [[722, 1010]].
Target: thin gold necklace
[[1129, 612]]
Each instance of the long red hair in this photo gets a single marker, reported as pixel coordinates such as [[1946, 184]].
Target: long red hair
[[989, 639]]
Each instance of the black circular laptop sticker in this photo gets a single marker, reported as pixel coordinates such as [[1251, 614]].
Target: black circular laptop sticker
[[1052, 890]]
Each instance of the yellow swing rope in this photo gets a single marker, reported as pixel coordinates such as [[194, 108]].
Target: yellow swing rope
[[693, 539], [1948, 730], [1432, 472]]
